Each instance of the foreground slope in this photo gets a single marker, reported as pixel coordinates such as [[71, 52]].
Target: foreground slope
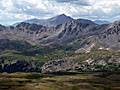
[[82, 81]]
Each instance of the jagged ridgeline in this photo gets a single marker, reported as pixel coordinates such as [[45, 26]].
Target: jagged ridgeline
[[60, 44]]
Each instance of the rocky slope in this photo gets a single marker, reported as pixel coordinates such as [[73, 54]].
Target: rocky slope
[[86, 35], [109, 64]]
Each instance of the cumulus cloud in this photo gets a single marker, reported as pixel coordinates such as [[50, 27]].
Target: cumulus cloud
[[19, 10]]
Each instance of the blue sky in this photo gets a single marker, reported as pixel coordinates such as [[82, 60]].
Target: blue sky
[[12, 11]]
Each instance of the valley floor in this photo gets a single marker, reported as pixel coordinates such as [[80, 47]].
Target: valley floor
[[37, 81]]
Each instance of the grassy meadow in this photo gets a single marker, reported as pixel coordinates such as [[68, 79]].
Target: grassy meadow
[[37, 81]]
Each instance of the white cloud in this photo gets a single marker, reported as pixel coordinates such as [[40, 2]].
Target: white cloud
[[17, 10], [79, 2]]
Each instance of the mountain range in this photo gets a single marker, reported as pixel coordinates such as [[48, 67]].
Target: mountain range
[[63, 29], [54, 21], [60, 19], [60, 33]]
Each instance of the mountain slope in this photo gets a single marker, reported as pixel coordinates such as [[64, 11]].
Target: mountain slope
[[70, 31]]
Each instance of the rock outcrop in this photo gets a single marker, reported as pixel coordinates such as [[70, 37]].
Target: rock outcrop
[[58, 66], [99, 65]]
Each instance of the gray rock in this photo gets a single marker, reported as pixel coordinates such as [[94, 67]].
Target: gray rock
[[100, 64]]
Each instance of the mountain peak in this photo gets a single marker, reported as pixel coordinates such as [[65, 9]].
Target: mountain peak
[[61, 16]]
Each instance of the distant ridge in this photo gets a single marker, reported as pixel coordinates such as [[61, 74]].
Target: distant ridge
[[54, 21], [100, 22]]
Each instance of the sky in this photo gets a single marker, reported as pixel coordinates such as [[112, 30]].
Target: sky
[[12, 11]]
